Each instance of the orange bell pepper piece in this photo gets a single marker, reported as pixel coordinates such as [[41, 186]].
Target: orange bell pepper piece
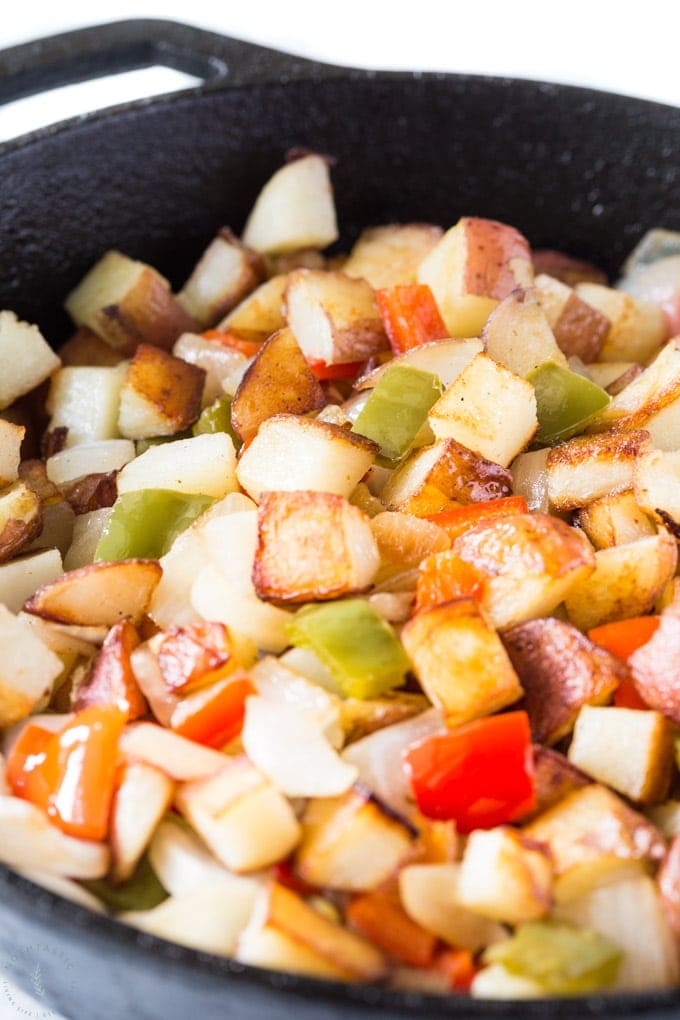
[[624, 637], [444, 577], [214, 715], [380, 917], [459, 967], [410, 316], [25, 777], [322, 370], [461, 518], [73, 775], [237, 343]]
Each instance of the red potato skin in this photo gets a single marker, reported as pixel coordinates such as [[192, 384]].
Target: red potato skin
[[656, 667], [490, 249], [669, 885], [111, 680]]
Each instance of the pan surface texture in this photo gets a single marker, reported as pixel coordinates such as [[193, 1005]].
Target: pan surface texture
[[581, 171]]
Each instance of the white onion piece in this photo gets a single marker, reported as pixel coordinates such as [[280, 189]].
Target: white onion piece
[[630, 913], [179, 758], [308, 664], [64, 887], [287, 745], [88, 459], [378, 758], [87, 530], [281, 685], [530, 479], [28, 840]]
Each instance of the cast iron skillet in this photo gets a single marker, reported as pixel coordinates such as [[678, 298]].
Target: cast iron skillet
[[583, 171]]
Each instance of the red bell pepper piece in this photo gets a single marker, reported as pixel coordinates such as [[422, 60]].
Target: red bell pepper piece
[[479, 775], [322, 370], [214, 715], [461, 518], [410, 316], [459, 967], [72, 774]]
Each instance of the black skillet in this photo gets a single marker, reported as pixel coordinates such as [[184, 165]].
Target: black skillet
[[583, 171]]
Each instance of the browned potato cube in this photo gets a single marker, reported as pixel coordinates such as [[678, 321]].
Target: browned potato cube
[[517, 334], [404, 541], [505, 876], [637, 328], [127, 303], [588, 467], [444, 474], [99, 594], [351, 842], [86, 348], [312, 546], [334, 317], [554, 777], [614, 520], [390, 255], [11, 438], [460, 661], [630, 750], [560, 671], [20, 519], [657, 486], [279, 381], [226, 271], [161, 394], [579, 328], [654, 666], [259, 314]]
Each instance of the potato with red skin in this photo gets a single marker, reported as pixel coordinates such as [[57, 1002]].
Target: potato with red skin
[[475, 265], [111, 680], [656, 666], [99, 594]]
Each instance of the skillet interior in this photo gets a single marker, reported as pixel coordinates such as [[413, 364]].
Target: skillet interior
[[582, 171]]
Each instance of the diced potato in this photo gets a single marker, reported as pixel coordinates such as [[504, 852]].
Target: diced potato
[[657, 484], [637, 330], [86, 348], [444, 358], [488, 409], [430, 894], [99, 594], [223, 365], [444, 474], [554, 778], [160, 395], [126, 303], [565, 268], [651, 401], [608, 373], [295, 209], [11, 438], [626, 582], [505, 876], [278, 381], [654, 666], [110, 679], [203, 464], [360, 717], [100, 457], [26, 358], [615, 520], [226, 271], [460, 661], [630, 750], [496, 982], [334, 317], [475, 265], [579, 328], [593, 835], [179, 758], [285, 933], [20, 519], [530, 562], [290, 453], [589, 467], [517, 334], [351, 842], [29, 840], [182, 862], [242, 818], [85, 401], [139, 803], [560, 671], [312, 546], [261, 313], [27, 671], [390, 255], [20, 578]]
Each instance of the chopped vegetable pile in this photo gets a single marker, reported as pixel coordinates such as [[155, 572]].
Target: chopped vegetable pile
[[339, 603]]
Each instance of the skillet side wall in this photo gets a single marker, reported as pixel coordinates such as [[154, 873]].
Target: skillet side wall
[[586, 172], [583, 171]]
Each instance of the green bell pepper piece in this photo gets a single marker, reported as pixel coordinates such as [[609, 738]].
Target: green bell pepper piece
[[217, 418], [563, 959], [397, 409], [359, 648], [565, 402], [146, 522], [142, 891]]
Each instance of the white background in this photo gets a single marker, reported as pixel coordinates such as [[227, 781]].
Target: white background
[[620, 46]]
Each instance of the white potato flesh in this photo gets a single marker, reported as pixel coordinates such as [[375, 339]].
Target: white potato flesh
[[20, 577], [203, 464], [27, 670], [430, 896], [294, 210], [29, 840], [25, 356], [85, 400], [11, 437], [88, 459], [182, 862]]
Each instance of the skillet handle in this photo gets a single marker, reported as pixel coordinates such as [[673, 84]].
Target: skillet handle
[[100, 50]]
